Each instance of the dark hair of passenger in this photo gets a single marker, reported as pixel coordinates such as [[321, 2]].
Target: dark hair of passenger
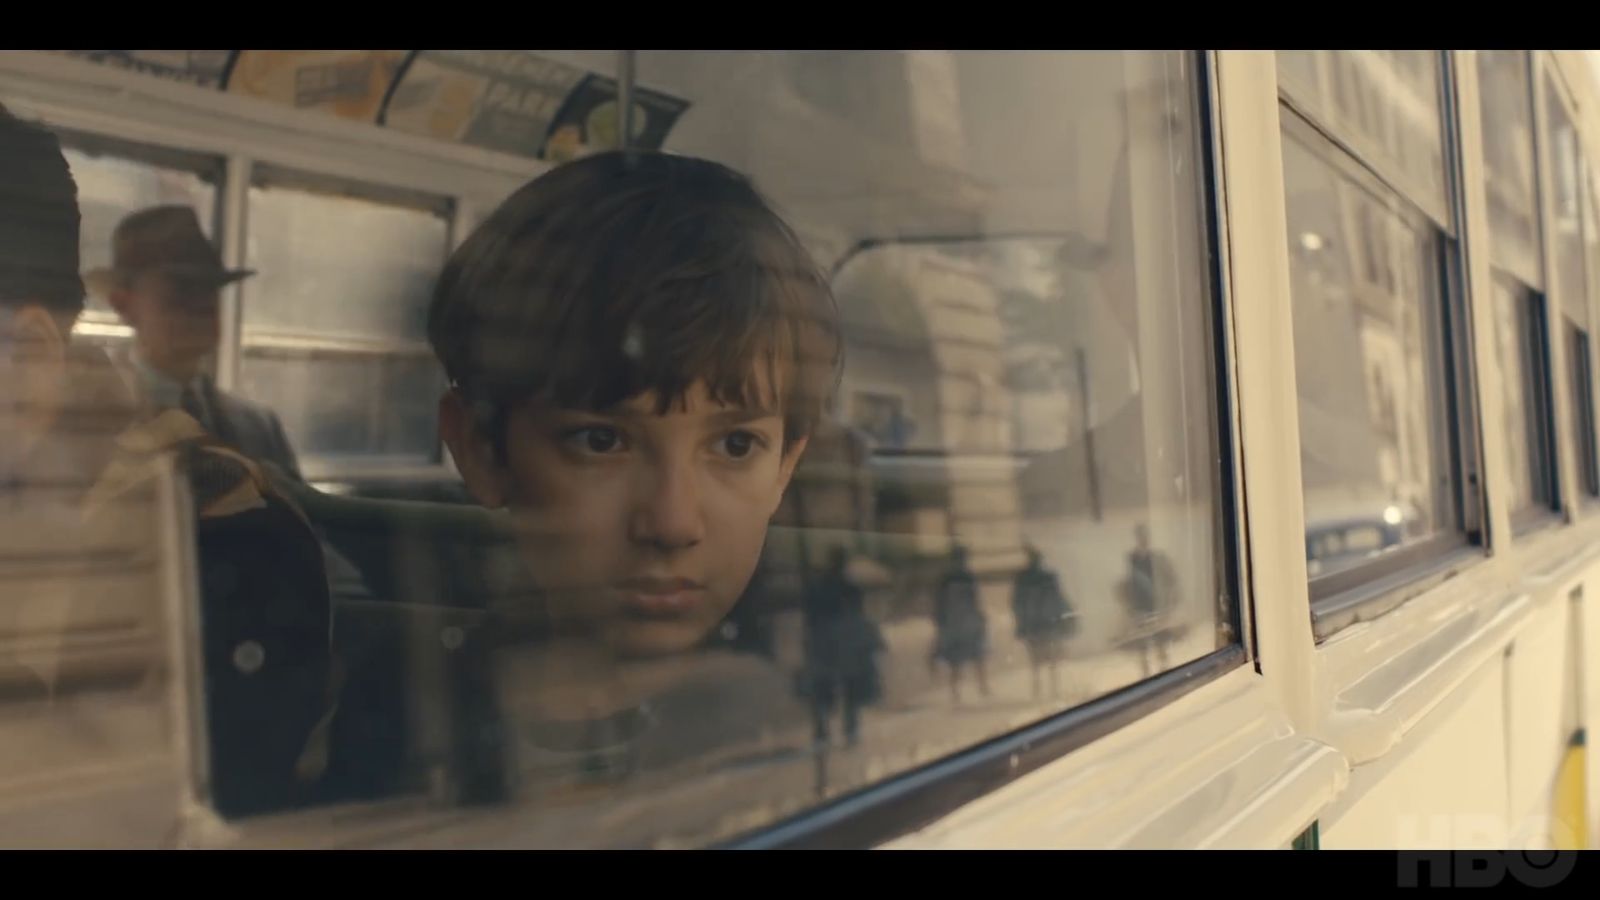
[[39, 221]]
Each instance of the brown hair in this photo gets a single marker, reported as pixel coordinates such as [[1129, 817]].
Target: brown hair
[[631, 271]]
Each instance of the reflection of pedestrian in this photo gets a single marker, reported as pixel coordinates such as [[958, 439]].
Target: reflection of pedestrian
[[841, 645], [1150, 596], [962, 630], [1045, 620], [899, 429]]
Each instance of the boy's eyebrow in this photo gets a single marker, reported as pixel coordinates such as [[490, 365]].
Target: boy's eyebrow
[[743, 414], [733, 416]]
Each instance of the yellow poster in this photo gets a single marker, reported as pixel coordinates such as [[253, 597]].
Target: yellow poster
[[347, 83], [438, 99], [499, 99]]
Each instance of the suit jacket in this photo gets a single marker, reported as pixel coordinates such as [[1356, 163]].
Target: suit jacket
[[249, 426]]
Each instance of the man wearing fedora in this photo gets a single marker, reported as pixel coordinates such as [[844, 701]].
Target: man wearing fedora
[[166, 281]]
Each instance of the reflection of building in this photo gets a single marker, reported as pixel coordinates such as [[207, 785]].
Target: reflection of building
[[924, 348], [1508, 165], [883, 418], [1386, 99], [1362, 349]]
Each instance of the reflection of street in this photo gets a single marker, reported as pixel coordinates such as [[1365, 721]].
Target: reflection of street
[[734, 752], [749, 784]]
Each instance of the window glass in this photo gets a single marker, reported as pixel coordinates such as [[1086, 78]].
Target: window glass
[[1386, 104], [1368, 328], [1510, 178], [863, 416], [334, 324]]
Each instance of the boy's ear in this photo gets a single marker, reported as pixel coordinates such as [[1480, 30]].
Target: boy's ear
[[472, 450]]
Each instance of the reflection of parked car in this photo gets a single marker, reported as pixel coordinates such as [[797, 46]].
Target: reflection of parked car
[[1335, 544]]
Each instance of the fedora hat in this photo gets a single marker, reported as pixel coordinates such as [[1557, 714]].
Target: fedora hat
[[163, 239]]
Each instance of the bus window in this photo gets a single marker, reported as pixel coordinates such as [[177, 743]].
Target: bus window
[[1011, 508], [1373, 250], [333, 329], [772, 425]]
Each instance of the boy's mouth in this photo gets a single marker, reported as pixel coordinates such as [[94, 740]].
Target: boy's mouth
[[661, 598]]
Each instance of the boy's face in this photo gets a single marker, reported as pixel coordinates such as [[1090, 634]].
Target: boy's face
[[642, 530]]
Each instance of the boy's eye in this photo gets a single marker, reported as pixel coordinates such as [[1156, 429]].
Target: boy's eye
[[598, 439], [740, 444]]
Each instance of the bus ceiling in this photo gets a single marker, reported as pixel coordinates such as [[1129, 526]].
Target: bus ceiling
[[546, 104]]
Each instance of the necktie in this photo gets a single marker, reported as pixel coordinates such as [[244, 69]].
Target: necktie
[[191, 403]]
